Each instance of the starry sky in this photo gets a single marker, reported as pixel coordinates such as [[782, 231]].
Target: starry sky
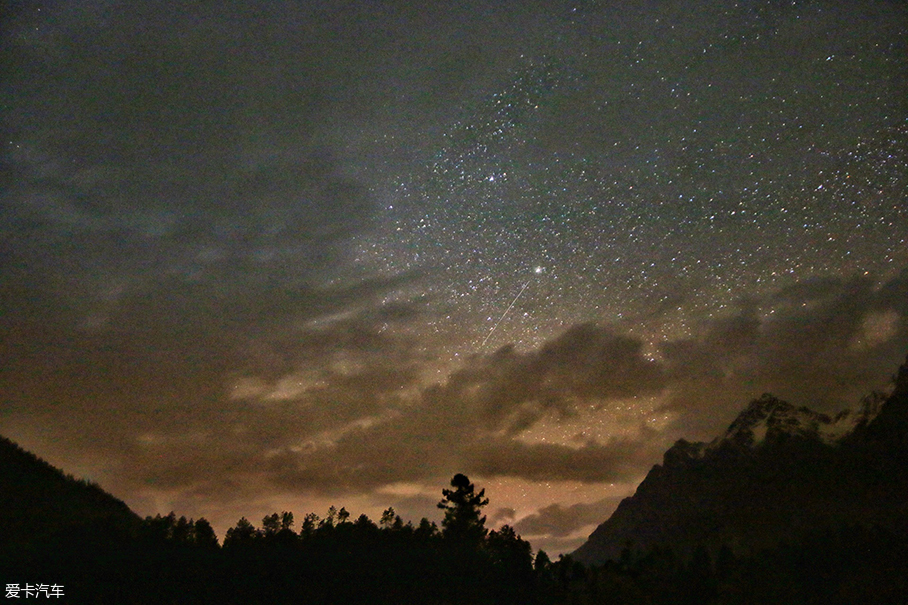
[[264, 256]]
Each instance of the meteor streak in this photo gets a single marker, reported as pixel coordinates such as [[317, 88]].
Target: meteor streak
[[510, 306]]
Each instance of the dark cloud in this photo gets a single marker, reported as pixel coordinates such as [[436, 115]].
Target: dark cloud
[[618, 460], [560, 521], [181, 397], [336, 413], [511, 390], [446, 429], [345, 412]]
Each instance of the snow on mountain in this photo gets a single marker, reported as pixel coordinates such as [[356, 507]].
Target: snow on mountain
[[769, 418]]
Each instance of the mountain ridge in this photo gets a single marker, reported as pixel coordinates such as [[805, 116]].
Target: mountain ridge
[[778, 471]]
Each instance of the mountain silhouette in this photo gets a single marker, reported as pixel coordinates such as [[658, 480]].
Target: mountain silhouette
[[778, 473]]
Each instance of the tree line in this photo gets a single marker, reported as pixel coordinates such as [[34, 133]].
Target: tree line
[[335, 559], [338, 559]]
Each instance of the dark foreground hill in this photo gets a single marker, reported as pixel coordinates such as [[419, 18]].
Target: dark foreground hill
[[43, 510], [779, 475]]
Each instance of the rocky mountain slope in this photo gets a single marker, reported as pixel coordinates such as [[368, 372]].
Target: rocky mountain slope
[[778, 472]]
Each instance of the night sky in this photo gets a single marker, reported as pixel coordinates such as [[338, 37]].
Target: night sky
[[265, 256]]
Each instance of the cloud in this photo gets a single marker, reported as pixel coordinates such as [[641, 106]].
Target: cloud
[[151, 393], [348, 410], [618, 460], [468, 423], [339, 403], [511, 391], [501, 516], [560, 521], [175, 227]]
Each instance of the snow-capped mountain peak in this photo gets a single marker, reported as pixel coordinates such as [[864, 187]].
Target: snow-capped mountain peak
[[769, 417]]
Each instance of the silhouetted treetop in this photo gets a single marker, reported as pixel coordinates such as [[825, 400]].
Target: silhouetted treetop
[[463, 511], [242, 535]]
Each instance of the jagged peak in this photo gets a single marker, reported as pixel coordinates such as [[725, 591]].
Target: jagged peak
[[682, 451], [769, 417], [762, 416], [757, 411]]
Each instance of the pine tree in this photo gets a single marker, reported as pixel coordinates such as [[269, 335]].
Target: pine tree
[[463, 520]]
